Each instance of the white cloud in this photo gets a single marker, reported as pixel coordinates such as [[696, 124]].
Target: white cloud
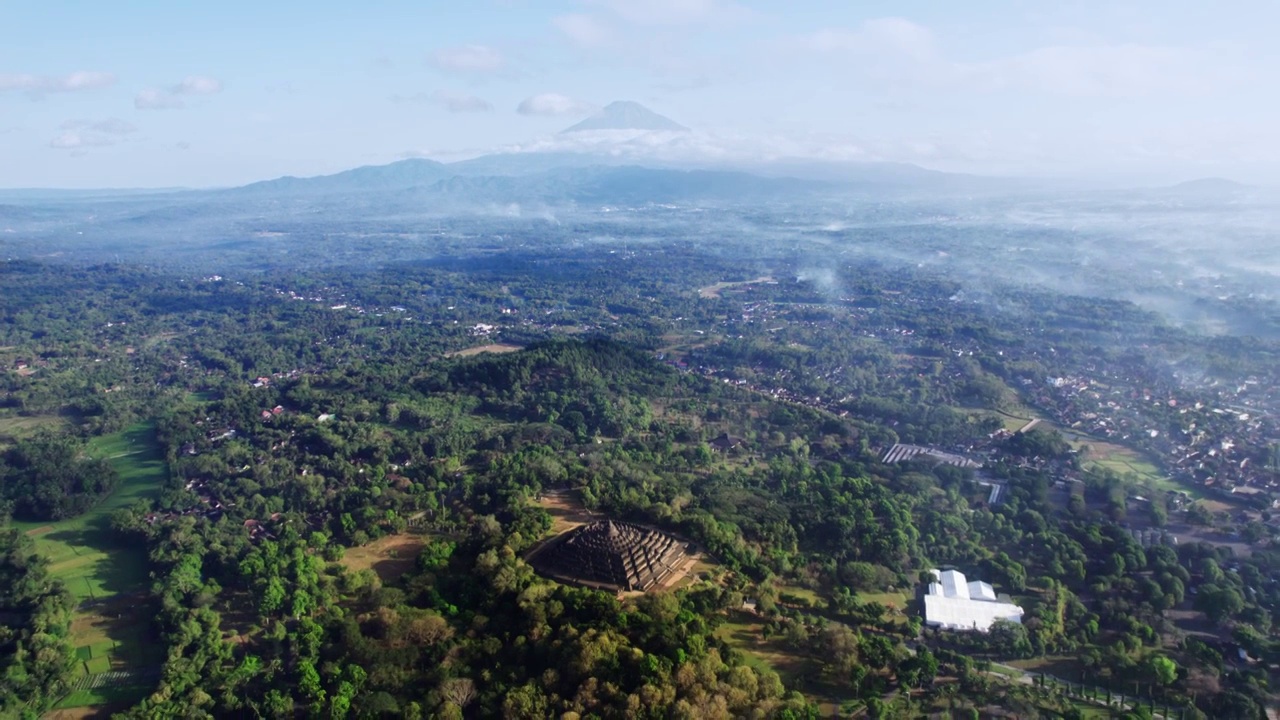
[[419, 97], [197, 85], [110, 126], [170, 98], [469, 60], [74, 140], [585, 31], [456, 102], [552, 104], [152, 99], [685, 147], [38, 85], [78, 135]]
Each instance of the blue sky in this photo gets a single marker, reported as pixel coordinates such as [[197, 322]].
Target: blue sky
[[146, 94]]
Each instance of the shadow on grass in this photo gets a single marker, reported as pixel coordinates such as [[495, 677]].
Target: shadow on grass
[[121, 567]]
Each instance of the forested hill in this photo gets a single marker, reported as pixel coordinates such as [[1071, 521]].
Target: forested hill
[[597, 387]]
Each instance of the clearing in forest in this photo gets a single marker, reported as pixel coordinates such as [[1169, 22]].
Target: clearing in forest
[[497, 348], [389, 557], [713, 291], [14, 426], [566, 510]]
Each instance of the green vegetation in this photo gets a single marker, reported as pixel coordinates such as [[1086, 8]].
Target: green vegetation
[[35, 657], [45, 477], [326, 511], [92, 562]]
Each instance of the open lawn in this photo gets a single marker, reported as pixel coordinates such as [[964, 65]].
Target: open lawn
[[891, 600], [895, 601], [1118, 458], [566, 510], [14, 426], [713, 291], [1013, 418], [1065, 667], [491, 348], [389, 557], [202, 396], [798, 596], [110, 630]]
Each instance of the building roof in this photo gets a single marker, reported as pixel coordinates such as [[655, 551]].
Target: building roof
[[953, 584], [953, 603]]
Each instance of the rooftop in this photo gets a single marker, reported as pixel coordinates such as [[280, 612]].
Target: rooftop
[[953, 603]]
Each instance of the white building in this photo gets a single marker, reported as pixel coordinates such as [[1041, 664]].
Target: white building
[[952, 603]]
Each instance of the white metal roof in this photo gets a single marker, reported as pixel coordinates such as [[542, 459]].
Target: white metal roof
[[954, 604]]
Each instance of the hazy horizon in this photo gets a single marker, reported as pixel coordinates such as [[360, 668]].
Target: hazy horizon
[[161, 96]]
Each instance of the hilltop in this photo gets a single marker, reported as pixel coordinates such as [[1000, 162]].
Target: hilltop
[[626, 115]]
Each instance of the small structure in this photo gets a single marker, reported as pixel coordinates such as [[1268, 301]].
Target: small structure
[[727, 442], [953, 603], [902, 452], [610, 555]]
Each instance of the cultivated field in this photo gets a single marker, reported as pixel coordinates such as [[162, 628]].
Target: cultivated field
[[81, 550], [109, 580]]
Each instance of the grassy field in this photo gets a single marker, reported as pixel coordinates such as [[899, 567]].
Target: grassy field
[[81, 550], [1118, 458], [713, 291], [498, 348], [1126, 461], [789, 594], [891, 600], [111, 628], [389, 557], [1065, 667], [96, 702], [14, 426], [895, 601], [566, 511]]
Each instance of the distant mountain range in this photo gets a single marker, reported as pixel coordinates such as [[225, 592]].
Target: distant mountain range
[[580, 177], [625, 153]]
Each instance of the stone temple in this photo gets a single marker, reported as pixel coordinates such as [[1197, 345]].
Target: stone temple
[[610, 555]]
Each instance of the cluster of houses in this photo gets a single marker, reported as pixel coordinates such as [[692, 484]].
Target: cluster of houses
[[1210, 439]]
